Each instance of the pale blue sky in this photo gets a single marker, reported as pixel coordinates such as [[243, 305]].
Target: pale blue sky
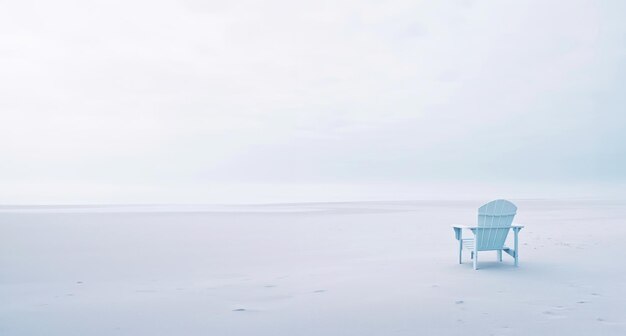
[[194, 101]]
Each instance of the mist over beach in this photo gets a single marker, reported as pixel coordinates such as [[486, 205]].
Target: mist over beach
[[188, 167]]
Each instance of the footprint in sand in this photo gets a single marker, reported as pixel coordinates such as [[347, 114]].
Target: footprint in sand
[[239, 310], [319, 291], [269, 286], [459, 302], [555, 313]]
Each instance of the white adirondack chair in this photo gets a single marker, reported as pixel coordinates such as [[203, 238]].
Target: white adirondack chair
[[494, 222]]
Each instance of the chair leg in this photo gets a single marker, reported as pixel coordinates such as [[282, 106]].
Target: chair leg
[[516, 253], [472, 255], [460, 252], [500, 255], [475, 260]]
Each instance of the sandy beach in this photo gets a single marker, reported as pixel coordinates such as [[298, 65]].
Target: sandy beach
[[370, 268]]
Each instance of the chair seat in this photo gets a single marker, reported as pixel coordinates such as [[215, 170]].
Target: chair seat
[[468, 243]]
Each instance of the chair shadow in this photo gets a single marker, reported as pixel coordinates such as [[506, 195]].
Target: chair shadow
[[529, 267]]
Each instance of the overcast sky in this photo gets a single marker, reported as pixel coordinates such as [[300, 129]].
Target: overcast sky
[[225, 101]]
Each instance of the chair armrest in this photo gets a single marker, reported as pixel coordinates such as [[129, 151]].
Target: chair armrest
[[473, 228], [457, 230], [464, 226]]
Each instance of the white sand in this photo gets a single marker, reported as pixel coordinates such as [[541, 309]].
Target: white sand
[[308, 269]]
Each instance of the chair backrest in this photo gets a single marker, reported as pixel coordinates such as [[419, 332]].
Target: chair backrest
[[494, 221]]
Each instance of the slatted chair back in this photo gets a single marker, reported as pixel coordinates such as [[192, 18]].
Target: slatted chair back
[[494, 220]]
